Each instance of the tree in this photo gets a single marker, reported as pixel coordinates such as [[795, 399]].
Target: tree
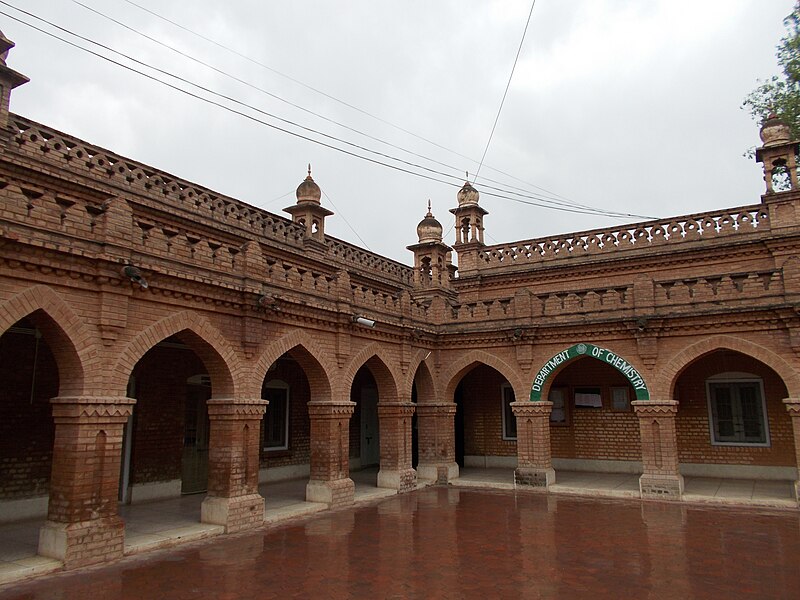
[[781, 93]]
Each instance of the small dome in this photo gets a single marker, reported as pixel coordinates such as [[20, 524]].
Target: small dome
[[429, 229], [468, 195], [775, 132], [308, 190]]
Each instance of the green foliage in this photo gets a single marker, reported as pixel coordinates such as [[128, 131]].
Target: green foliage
[[781, 93]]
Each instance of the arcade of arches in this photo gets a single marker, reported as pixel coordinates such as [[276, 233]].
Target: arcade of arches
[[159, 339]]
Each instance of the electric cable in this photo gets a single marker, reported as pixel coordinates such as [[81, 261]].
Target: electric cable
[[598, 212]]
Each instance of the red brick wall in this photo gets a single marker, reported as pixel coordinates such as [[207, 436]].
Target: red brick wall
[[692, 422], [483, 420], [595, 433], [26, 428], [299, 451], [159, 416]]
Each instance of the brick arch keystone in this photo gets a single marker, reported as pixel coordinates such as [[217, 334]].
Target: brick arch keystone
[[69, 339], [420, 373], [213, 349], [374, 356], [668, 376], [457, 369], [318, 368]]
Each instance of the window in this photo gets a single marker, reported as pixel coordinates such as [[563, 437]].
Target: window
[[558, 396], [589, 397], [276, 419], [620, 399], [509, 420], [737, 413]]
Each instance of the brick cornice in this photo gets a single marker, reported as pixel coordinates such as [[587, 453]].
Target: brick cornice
[[655, 408], [330, 410], [527, 408], [113, 408], [236, 408]]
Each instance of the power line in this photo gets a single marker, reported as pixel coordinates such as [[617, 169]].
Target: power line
[[505, 93], [512, 190], [276, 127], [341, 214], [335, 99]]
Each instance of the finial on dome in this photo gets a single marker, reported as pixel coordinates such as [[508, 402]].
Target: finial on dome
[[309, 169], [429, 209], [308, 190]]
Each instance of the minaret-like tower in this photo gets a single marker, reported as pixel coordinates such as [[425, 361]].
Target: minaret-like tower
[[432, 267], [778, 155], [9, 79], [309, 212], [469, 229]]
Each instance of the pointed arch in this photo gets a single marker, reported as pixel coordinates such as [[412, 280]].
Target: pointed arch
[[199, 334], [318, 368], [375, 358], [668, 377], [419, 372], [459, 367], [69, 339]]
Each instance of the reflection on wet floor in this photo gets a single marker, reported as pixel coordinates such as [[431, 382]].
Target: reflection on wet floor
[[448, 542]]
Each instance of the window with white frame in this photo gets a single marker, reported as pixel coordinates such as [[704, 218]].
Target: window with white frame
[[736, 410], [276, 419], [558, 396], [509, 420]]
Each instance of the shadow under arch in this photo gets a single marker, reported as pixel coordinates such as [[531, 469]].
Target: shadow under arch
[[545, 376], [373, 357], [668, 377], [65, 333], [196, 332], [423, 378], [471, 359], [300, 345]]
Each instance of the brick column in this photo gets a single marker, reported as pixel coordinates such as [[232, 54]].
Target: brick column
[[83, 526], [661, 477], [437, 442], [233, 500], [330, 453], [534, 461], [395, 422], [793, 406]]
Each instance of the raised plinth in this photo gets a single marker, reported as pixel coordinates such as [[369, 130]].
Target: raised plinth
[[335, 493], [439, 472], [402, 480], [533, 477], [234, 514], [83, 543]]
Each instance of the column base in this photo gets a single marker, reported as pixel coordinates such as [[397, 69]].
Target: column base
[[796, 490], [534, 477], [234, 514], [339, 492], [442, 473], [402, 480], [664, 487], [83, 543]]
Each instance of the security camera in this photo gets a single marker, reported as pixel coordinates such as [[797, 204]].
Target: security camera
[[135, 275], [364, 321]]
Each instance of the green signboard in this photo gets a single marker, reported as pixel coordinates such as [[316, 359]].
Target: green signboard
[[598, 353]]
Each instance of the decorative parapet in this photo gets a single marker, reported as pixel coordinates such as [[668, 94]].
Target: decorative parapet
[[745, 220]]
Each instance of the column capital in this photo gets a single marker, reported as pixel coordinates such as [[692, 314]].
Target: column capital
[[332, 410], [237, 408], [399, 409], [655, 408], [440, 408], [106, 407], [793, 406], [526, 408]]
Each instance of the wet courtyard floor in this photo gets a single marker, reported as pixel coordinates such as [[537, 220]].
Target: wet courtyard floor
[[464, 543]]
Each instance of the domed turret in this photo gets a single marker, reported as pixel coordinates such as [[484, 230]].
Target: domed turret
[[468, 195], [308, 190], [775, 132], [429, 229]]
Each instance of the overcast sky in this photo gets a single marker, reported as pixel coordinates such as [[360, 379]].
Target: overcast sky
[[631, 106]]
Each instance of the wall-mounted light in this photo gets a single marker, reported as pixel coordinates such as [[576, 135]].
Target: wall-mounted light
[[518, 333], [267, 302], [365, 322], [135, 275], [641, 323]]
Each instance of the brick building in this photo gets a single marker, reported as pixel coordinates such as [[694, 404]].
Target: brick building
[[159, 338]]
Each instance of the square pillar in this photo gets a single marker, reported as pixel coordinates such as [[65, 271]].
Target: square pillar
[[437, 442], [83, 527], [534, 460], [233, 500], [395, 422], [330, 453], [661, 477], [793, 406]]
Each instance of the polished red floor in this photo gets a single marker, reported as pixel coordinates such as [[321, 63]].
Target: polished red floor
[[450, 543]]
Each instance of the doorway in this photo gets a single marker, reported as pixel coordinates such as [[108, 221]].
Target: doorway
[[194, 465], [370, 433]]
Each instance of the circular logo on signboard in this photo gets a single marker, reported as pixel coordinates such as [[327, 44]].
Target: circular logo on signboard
[[581, 348]]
